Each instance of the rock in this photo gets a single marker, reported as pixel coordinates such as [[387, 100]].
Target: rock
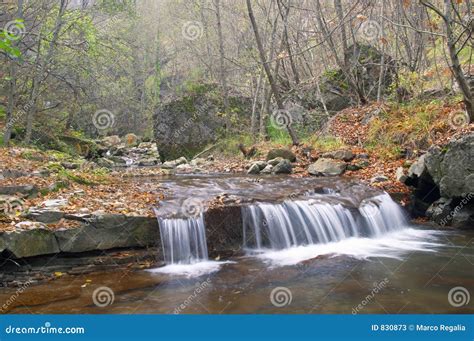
[[400, 175], [343, 154], [54, 203], [70, 165], [184, 168], [261, 164], [119, 150], [106, 163], [131, 140], [168, 165], [147, 145], [210, 158], [29, 243], [198, 162], [11, 174], [254, 169], [418, 167], [181, 161], [118, 160], [267, 170], [283, 167], [440, 211], [45, 216], [30, 225], [283, 153], [378, 178], [362, 156], [110, 141], [109, 231], [275, 161], [147, 162], [327, 167], [26, 190]]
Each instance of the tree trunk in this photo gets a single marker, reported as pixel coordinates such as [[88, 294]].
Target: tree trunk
[[222, 73], [270, 78], [38, 77]]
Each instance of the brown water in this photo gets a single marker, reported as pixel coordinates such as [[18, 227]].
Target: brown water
[[417, 283]]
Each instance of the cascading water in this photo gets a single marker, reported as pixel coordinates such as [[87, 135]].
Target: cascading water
[[183, 240], [299, 223]]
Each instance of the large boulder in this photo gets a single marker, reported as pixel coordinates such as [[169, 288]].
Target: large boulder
[[283, 153], [327, 167], [444, 183], [283, 167], [185, 125]]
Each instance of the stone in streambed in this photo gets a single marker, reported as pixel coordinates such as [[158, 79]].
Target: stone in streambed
[[254, 169], [342, 154], [283, 167]]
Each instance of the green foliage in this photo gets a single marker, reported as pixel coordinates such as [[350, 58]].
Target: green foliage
[[324, 143]]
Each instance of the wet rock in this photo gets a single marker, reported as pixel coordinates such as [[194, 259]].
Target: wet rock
[[378, 178], [267, 170], [254, 169], [327, 167], [343, 154], [185, 168], [358, 165], [283, 167], [54, 203], [283, 153], [109, 231], [275, 161], [440, 211]]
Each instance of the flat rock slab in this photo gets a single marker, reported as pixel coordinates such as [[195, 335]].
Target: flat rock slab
[[12, 190], [29, 243]]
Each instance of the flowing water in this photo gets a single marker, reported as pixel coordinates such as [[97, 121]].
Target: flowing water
[[311, 246]]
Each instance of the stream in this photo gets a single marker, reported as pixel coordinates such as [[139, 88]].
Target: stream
[[310, 245]]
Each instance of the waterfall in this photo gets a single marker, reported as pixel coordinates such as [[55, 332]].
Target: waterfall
[[306, 222], [183, 240]]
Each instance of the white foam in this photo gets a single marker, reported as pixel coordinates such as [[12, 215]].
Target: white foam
[[390, 245], [190, 270]]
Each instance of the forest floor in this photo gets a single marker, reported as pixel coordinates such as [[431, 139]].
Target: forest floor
[[44, 179]]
